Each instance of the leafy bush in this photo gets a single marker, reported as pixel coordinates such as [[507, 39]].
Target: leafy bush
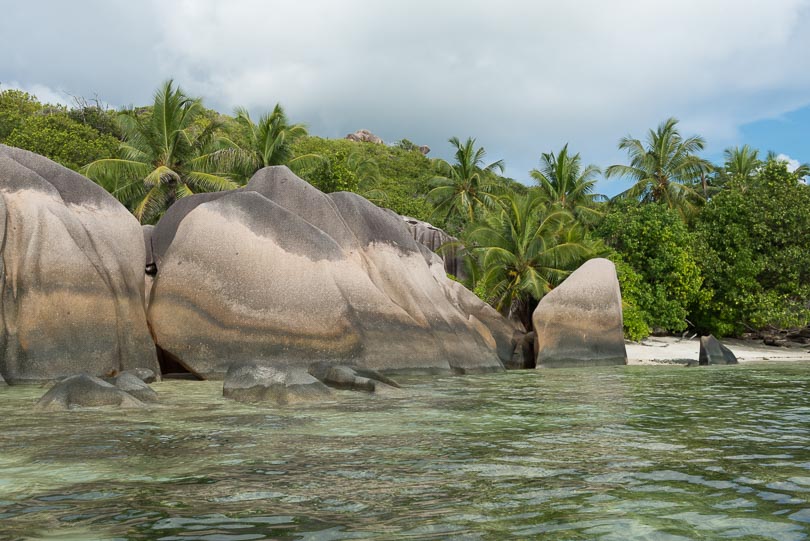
[[756, 260], [63, 140], [655, 243]]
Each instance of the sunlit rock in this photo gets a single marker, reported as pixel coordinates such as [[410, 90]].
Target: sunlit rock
[[71, 275], [579, 323], [280, 274]]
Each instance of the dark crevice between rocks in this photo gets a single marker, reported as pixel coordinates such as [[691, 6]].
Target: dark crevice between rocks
[[173, 368]]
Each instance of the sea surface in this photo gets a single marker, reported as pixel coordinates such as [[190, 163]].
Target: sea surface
[[626, 453]]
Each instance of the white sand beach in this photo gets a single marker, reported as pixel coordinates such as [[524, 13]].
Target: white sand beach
[[664, 350]]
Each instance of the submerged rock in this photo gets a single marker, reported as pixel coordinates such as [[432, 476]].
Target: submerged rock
[[351, 378], [712, 351], [133, 385], [71, 276], [579, 323], [279, 385], [85, 391], [143, 374], [279, 274]]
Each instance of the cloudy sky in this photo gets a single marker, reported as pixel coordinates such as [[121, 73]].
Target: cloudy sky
[[523, 77]]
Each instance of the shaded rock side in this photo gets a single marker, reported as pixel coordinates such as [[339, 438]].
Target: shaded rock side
[[281, 386], [579, 323], [712, 351], [71, 275], [279, 274], [85, 391], [434, 238]]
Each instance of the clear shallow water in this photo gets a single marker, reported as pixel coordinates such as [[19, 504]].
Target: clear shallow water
[[663, 453]]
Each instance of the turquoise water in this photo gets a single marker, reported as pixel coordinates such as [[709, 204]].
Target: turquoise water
[[663, 453]]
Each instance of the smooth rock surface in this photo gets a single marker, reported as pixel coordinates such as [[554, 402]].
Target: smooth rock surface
[[85, 391], [281, 386], [579, 323], [279, 274], [71, 275], [133, 385], [712, 351]]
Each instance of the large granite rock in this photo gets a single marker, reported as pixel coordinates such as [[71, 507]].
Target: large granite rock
[[85, 391], [714, 352], [579, 323], [434, 239], [279, 274], [71, 275], [251, 382]]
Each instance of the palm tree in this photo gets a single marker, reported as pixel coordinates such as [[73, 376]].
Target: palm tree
[[742, 163], [563, 181], [162, 156], [269, 142], [665, 169], [467, 185], [525, 249]]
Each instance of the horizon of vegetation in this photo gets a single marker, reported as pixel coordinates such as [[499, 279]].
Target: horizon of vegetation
[[711, 248]]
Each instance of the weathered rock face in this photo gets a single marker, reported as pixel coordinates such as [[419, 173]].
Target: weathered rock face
[[434, 238], [280, 274], [71, 275], [85, 391], [579, 323], [364, 136], [281, 386], [713, 352]]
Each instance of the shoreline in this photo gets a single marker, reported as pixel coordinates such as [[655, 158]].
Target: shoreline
[[674, 350]]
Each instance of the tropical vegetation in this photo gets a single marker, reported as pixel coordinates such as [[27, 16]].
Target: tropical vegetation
[[698, 247]]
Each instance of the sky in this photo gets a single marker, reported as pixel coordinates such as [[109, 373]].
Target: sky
[[522, 77]]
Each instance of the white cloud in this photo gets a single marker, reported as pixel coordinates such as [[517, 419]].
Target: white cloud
[[524, 77], [792, 164]]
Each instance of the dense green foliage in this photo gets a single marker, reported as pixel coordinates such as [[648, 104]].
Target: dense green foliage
[[709, 248], [757, 261], [656, 244], [15, 108], [392, 177], [62, 139]]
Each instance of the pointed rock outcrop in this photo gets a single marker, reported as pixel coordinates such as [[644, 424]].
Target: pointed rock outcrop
[[579, 323]]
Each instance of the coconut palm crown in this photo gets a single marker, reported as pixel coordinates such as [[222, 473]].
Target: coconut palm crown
[[467, 185], [665, 169], [564, 182], [162, 156]]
